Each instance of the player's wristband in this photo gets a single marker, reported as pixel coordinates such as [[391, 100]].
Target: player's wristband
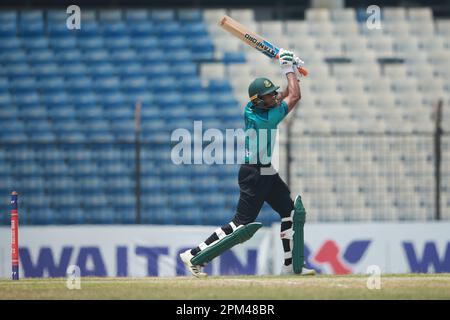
[[287, 69]]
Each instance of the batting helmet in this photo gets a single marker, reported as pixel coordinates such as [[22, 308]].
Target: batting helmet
[[258, 88]]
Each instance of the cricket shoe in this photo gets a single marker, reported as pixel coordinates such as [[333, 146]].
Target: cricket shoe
[[194, 269], [289, 271]]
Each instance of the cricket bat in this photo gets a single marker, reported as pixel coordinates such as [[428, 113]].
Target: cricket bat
[[253, 40]]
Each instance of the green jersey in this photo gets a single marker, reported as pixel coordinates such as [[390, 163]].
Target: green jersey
[[260, 129]]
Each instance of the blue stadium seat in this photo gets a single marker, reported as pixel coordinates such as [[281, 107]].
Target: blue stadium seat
[[25, 85], [93, 43], [190, 15], [152, 57], [10, 44], [162, 15], [141, 28], [173, 43], [267, 216], [74, 71], [102, 70], [194, 29], [89, 29], [72, 216], [27, 100], [191, 85], [37, 124], [5, 100], [107, 85], [114, 100], [112, 30], [24, 169], [45, 70], [222, 100], [112, 16], [118, 182], [31, 16], [129, 68], [7, 114], [123, 56], [144, 43], [59, 30], [134, 84], [180, 56], [8, 16], [125, 214], [182, 200], [83, 101], [234, 57], [155, 70], [163, 85], [30, 29], [202, 48], [69, 57], [13, 57], [8, 29], [99, 215], [197, 100], [93, 57], [100, 136], [188, 216], [147, 100], [51, 85], [123, 130], [80, 85], [362, 15], [69, 136], [62, 204], [13, 137], [213, 199], [177, 112], [55, 100], [168, 29], [56, 15], [135, 15], [117, 43], [218, 217], [56, 168], [218, 86], [184, 70], [160, 215], [44, 216], [202, 114], [83, 168], [150, 185], [57, 185]]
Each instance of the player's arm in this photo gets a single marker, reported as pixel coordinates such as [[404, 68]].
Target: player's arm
[[291, 95], [284, 94]]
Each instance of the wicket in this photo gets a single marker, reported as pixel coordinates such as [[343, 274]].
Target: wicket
[[14, 236]]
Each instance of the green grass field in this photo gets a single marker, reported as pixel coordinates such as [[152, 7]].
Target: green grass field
[[432, 286]]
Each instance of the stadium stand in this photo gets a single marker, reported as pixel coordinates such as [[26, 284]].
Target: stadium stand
[[67, 113]]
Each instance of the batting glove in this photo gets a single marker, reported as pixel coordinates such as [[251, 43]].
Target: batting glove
[[298, 62], [286, 60]]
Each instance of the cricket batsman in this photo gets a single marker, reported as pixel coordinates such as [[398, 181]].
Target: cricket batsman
[[266, 109]]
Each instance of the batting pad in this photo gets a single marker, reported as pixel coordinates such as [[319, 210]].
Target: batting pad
[[241, 234], [298, 220]]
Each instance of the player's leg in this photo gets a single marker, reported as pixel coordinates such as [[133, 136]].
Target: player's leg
[[211, 243], [280, 201], [292, 216], [240, 229]]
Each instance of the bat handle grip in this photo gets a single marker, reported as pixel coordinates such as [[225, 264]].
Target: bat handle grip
[[302, 71]]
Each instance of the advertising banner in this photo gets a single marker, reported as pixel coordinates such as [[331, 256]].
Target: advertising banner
[[138, 251]]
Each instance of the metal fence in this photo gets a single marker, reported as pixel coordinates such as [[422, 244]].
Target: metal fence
[[342, 177], [366, 177]]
